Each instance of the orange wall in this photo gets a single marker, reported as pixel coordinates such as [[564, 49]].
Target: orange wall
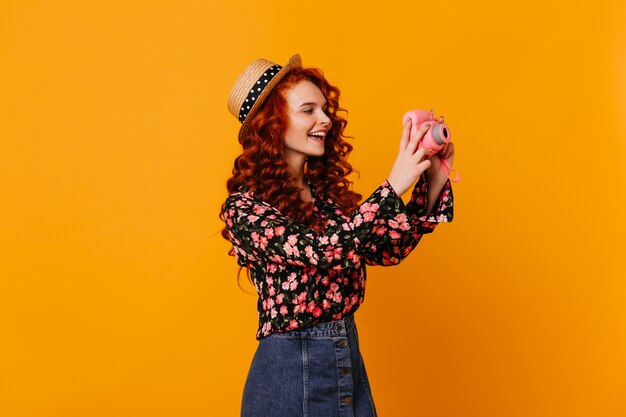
[[117, 297]]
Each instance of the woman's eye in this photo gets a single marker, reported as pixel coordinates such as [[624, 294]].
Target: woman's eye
[[309, 111]]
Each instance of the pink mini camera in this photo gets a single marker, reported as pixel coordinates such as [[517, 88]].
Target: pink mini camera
[[434, 139]]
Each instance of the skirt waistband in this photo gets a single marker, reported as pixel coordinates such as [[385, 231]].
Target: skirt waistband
[[337, 328]]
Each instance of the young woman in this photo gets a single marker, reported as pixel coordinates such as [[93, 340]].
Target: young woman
[[305, 240]]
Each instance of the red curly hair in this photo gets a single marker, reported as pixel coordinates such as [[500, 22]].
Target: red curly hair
[[263, 170]]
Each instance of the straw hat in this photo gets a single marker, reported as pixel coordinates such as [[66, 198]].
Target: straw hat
[[254, 85]]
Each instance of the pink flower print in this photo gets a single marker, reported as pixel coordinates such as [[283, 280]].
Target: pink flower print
[[381, 230], [394, 235], [278, 231], [255, 237], [252, 218], [325, 304], [325, 281], [334, 239], [358, 219], [292, 239], [271, 291], [384, 192], [269, 232], [288, 249], [368, 216], [324, 240], [302, 296], [401, 218], [285, 285], [284, 310], [334, 287], [442, 218], [238, 203], [337, 297], [264, 223], [273, 313], [266, 328], [308, 250], [279, 298], [317, 312], [258, 209], [293, 324], [293, 285], [393, 224]]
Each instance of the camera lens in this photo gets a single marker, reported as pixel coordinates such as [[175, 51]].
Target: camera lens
[[445, 132]]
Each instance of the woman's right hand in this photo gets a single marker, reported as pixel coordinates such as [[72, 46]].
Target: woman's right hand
[[411, 162]]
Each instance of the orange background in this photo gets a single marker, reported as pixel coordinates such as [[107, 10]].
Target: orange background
[[117, 297]]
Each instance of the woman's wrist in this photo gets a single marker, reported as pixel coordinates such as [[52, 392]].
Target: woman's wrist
[[392, 183]]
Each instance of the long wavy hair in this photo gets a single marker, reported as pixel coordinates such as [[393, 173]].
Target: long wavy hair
[[262, 168]]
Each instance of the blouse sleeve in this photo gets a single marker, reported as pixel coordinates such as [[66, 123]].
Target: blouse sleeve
[[392, 240], [259, 232]]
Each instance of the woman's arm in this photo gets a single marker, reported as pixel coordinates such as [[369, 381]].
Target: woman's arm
[[395, 240], [435, 175], [430, 203], [434, 191], [260, 233]]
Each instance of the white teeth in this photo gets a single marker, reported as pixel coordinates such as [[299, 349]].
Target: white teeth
[[319, 134]]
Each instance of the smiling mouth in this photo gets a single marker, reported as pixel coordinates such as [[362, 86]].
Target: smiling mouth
[[318, 136]]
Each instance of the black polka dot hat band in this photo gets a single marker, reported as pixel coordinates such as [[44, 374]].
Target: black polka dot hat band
[[257, 89], [254, 85]]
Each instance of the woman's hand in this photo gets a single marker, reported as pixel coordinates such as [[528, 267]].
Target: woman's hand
[[410, 162], [434, 173]]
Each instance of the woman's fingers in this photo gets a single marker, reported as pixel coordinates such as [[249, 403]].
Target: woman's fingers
[[423, 166], [404, 139], [421, 154], [417, 137], [448, 150], [442, 152]]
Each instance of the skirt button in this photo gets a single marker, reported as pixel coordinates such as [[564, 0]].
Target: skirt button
[[345, 371], [346, 400], [342, 343]]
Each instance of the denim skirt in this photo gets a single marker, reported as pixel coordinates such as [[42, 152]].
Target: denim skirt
[[317, 371]]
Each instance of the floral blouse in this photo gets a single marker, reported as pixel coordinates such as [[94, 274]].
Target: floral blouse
[[303, 276]]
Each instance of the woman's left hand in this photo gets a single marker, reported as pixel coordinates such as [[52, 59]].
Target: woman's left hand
[[435, 172]]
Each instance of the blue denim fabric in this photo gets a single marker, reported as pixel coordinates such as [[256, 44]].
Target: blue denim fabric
[[317, 371]]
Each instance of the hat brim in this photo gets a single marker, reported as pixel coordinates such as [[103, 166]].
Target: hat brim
[[294, 62]]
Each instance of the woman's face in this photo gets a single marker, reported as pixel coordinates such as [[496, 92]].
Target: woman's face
[[307, 121]]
